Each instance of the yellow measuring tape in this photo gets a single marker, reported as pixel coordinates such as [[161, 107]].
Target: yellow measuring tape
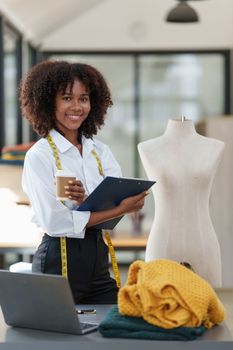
[[62, 239], [106, 233]]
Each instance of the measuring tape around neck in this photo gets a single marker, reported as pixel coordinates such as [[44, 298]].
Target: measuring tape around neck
[[64, 267]]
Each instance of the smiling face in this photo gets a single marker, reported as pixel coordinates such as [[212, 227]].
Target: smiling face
[[72, 108]]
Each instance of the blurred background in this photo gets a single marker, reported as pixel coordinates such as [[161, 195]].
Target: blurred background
[[159, 63]]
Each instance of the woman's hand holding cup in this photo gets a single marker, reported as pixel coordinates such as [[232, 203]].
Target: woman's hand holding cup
[[68, 187], [75, 191]]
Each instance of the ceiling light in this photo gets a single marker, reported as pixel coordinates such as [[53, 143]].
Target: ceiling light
[[182, 13]]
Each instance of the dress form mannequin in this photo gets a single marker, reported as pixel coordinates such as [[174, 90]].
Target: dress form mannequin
[[184, 164]]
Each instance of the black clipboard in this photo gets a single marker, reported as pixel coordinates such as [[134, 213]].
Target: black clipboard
[[110, 192]]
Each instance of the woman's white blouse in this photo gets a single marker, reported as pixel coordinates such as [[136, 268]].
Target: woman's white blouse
[[38, 181]]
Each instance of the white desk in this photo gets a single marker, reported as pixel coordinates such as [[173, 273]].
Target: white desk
[[217, 338]]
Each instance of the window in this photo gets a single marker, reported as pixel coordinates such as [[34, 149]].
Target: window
[[10, 85], [181, 84]]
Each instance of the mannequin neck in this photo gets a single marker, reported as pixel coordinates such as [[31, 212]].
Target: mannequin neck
[[177, 128]]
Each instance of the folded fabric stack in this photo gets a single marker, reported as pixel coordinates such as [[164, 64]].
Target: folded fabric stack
[[115, 325], [15, 154], [166, 299], [167, 294]]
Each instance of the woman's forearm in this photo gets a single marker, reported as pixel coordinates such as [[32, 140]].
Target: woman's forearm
[[105, 215], [128, 205]]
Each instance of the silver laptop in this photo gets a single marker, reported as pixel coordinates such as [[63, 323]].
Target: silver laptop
[[40, 301]]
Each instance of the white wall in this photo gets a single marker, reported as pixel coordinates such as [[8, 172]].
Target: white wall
[[137, 24], [221, 201]]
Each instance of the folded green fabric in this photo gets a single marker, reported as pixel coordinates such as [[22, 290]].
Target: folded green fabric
[[115, 325]]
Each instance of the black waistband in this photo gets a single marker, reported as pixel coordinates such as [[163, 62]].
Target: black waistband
[[88, 231]]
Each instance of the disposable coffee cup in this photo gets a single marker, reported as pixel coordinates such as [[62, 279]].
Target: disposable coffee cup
[[62, 179]]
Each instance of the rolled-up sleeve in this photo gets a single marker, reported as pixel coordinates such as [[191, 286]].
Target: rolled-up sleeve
[[80, 220]]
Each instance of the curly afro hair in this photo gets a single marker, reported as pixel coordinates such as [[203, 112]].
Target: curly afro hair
[[39, 89]]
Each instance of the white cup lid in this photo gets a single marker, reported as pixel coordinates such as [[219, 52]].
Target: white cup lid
[[65, 173]]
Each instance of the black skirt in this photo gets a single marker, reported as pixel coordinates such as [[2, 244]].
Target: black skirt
[[88, 266]]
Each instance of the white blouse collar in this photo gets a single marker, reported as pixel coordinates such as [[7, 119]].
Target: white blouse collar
[[63, 144]]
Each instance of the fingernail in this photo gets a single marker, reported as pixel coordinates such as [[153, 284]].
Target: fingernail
[[66, 192], [66, 187], [70, 182], [147, 192]]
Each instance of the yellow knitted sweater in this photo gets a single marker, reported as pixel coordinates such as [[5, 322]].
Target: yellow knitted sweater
[[167, 294]]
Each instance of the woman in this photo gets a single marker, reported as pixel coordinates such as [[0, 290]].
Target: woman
[[66, 104]]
